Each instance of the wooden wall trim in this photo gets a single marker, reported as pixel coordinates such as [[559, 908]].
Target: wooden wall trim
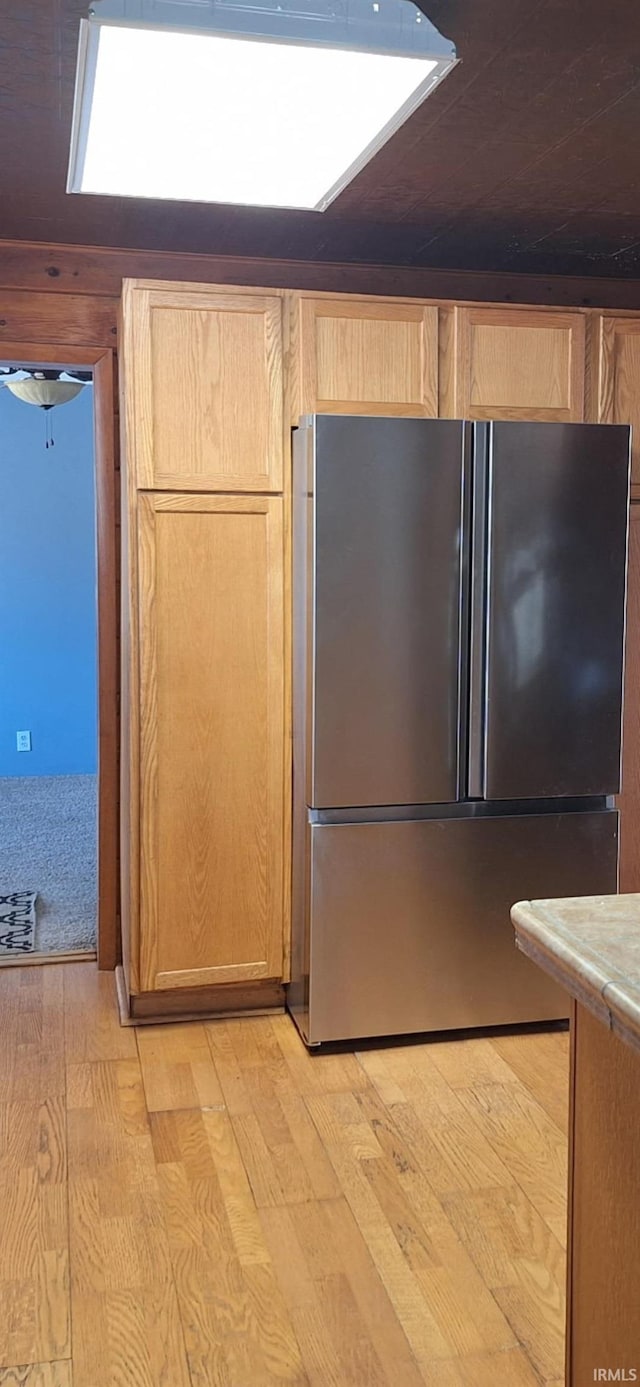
[[77, 271], [30, 315], [107, 557]]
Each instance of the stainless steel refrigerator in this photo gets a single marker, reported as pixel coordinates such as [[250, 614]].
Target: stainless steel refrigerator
[[459, 612]]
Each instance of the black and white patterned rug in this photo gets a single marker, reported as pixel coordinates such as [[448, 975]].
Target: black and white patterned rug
[[18, 922]]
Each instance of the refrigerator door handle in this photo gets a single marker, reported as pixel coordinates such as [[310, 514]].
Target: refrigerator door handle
[[480, 564]]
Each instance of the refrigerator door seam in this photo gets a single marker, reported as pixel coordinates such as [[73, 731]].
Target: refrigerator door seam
[[478, 647], [464, 613]]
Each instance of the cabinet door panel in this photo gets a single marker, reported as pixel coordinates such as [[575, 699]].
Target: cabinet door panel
[[212, 743], [205, 369], [520, 364], [619, 383], [365, 356]]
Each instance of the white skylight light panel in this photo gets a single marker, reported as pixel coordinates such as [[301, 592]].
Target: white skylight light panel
[[234, 117]]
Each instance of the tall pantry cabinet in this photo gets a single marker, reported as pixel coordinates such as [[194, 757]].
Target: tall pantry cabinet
[[205, 755]]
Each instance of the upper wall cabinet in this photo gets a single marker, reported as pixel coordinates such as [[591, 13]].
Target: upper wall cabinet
[[519, 364], [619, 382], [363, 356], [203, 373]]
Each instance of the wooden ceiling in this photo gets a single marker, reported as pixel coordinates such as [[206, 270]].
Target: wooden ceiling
[[524, 159]]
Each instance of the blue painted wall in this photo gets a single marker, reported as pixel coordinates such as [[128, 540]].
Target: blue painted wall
[[47, 588]]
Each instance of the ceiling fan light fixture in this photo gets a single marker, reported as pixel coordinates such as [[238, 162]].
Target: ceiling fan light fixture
[[273, 103], [45, 393]]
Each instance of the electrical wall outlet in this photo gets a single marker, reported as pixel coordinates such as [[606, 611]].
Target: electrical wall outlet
[[23, 741]]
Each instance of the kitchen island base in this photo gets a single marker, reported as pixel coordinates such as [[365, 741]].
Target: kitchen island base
[[603, 1319]]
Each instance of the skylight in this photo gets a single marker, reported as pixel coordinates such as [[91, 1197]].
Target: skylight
[[235, 117]]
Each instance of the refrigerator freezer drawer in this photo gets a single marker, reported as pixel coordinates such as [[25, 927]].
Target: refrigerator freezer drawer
[[409, 928]]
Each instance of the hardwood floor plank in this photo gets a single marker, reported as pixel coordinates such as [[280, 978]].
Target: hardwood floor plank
[[501, 1227], [377, 1312], [259, 1166], [269, 1092], [541, 1063], [509, 1369], [463, 1063], [240, 1208], [236, 1326], [377, 1071], [319, 1353], [32, 1058], [34, 1261], [463, 1306], [418, 1322], [177, 1067], [275, 1344], [126, 1327], [264, 1101], [450, 1155], [91, 1021], [356, 1353], [339, 1118], [78, 1091], [534, 1307], [344, 1322], [522, 1134], [321, 1177], [227, 1068], [339, 1073], [38, 1375]]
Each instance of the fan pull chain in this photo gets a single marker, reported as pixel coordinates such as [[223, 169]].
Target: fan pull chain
[[48, 432]]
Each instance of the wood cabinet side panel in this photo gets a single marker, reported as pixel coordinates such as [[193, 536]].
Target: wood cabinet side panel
[[147, 738], [604, 1308], [629, 799], [139, 422], [619, 383]]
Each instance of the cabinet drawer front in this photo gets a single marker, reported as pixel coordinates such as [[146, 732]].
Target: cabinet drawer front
[[212, 742], [514, 364], [205, 370], [365, 357]]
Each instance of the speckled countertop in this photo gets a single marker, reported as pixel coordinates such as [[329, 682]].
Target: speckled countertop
[[591, 946]]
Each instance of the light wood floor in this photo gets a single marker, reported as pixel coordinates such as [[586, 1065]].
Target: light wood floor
[[205, 1204]]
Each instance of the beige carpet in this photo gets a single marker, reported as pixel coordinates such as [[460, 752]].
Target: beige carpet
[[48, 844]]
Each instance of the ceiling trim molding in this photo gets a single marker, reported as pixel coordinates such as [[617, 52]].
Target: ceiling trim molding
[[98, 271]]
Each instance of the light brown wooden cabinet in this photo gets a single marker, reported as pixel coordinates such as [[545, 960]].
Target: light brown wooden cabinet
[[205, 780], [519, 364], [205, 371], [206, 626], [211, 739], [619, 382], [363, 356]]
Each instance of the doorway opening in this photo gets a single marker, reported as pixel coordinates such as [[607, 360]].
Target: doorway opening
[[58, 740]]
